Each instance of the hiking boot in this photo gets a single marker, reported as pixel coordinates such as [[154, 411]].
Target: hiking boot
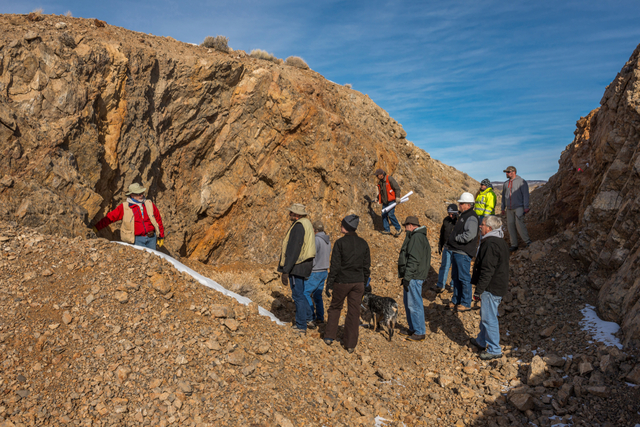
[[488, 356], [513, 248], [318, 322], [397, 233], [408, 332], [415, 337], [474, 343], [462, 309], [439, 290], [328, 341], [529, 243], [351, 350], [385, 232], [452, 306], [311, 325]]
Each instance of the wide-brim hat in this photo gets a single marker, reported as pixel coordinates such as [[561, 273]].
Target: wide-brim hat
[[136, 188], [298, 209], [412, 220]]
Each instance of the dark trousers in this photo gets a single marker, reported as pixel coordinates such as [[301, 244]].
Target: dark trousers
[[353, 292]]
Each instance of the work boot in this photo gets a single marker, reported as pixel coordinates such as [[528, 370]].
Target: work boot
[[513, 248], [408, 332], [328, 341], [415, 337], [311, 325], [398, 233], [488, 356], [474, 343]]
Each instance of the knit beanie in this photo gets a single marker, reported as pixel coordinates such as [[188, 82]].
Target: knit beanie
[[350, 222]]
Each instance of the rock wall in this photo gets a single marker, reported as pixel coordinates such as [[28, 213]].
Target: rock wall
[[597, 189], [223, 142]]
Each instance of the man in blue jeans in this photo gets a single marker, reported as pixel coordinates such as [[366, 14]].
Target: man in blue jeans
[[388, 193], [413, 268], [491, 278], [447, 227], [463, 242], [315, 284], [296, 262]]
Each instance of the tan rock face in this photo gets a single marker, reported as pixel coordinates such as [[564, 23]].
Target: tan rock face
[[223, 142], [596, 188]]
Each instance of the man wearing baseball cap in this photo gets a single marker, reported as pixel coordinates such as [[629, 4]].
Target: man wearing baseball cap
[[296, 262], [413, 267], [515, 204], [141, 221]]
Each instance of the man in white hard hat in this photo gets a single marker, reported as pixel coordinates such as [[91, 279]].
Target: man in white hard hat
[[463, 243]]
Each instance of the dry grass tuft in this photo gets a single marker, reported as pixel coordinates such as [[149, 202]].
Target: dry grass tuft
[[348, 85], [220, 43], [296, 61], [68, 14], [263, 54], [36, 15]]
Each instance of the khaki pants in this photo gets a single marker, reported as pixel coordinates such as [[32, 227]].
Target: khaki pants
[[515, 221]]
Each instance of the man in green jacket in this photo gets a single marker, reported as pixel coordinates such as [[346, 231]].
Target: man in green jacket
[[413, 267], [485, 200]]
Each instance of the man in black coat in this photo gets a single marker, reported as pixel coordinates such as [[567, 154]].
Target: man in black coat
[[349, 272], [491, 279], [447, 227]]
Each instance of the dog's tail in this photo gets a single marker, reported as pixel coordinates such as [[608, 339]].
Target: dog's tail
[[392, 322]]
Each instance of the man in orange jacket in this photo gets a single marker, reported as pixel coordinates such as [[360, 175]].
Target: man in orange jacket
[[388, 193], [141, 221]]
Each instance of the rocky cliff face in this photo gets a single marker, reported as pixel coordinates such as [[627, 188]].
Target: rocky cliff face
[[597, 188], [223, 142]]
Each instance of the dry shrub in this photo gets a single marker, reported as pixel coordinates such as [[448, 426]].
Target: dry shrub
[[68, 14], [296, 61], [220, 43], [36, 15], [348, 85], [241, 283], [98, 23], [263, 54]]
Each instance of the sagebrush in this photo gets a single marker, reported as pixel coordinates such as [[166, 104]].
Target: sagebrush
[[296, 61], [220, 43], [348, 85], [263, 54]]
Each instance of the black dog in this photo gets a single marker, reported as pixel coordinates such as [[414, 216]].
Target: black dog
[[378, 309]]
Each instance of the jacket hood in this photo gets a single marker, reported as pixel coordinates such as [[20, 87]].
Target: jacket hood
[[421, 230], [324, 236]]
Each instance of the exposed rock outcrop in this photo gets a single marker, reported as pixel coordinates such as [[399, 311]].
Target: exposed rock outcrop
[[597, 188], [223, 142]]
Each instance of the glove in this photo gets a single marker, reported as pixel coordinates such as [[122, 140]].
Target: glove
[[439, 250], [285, 279], [476, 297], [405, 284], [327, 291], [503, 213], [160, 242], [95, 230], [367, 288]]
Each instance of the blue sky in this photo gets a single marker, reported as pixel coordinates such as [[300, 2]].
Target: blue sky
[[479, 85]]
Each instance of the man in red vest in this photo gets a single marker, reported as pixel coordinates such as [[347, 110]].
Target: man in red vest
[[388, 193]]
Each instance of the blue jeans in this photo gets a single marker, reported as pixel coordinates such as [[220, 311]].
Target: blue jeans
[[414, 307], [313, 293], [460, 272], [297, 284], [489, 335], [147, 242], [444, 268], [391, 215]]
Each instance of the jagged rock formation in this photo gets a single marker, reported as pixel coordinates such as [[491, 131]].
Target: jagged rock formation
[[224, 142], [597, 188]]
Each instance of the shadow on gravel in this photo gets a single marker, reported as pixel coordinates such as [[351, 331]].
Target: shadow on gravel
[[283, 307], [375, 218]]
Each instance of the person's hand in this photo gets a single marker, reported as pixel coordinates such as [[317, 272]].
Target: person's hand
[[526, 211], [284, 279], [160, 242], [95, 230], [476, 297], [405, 284], [439, 250], [327, 291], [503, 213]]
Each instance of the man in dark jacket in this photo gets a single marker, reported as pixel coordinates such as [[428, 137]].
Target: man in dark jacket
[[296, 261], [319, 273], [463, 242], [491, 278], [349, 272], [447, 227], [388, 193], [413, 268]]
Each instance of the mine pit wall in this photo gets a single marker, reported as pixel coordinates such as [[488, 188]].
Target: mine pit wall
[[596, 193], [223, 142]]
